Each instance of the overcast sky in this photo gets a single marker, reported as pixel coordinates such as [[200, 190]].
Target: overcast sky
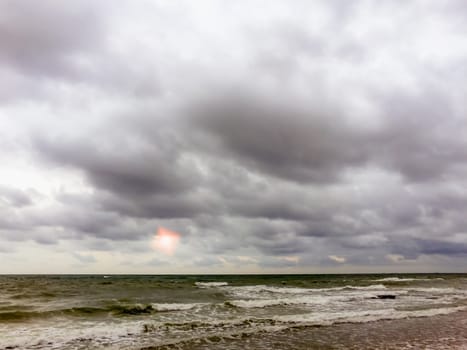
[[273, 136]]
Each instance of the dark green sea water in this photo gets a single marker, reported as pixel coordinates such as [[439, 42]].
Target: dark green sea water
[[228, 311]]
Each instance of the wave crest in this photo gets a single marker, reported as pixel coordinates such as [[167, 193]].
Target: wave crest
[[211, 284]]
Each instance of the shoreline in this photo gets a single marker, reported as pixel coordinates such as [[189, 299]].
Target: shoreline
[[433, 332]]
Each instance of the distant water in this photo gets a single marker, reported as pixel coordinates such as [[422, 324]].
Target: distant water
[[134, 312]]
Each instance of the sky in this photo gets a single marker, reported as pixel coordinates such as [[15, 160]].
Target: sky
[[265, 136]]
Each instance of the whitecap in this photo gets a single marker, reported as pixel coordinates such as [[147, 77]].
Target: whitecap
[[316, 300], [175, 306], [398, 279], [329, 318], [211, 284]]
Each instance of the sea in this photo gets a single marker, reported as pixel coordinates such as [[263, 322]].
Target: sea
[[361, 311]]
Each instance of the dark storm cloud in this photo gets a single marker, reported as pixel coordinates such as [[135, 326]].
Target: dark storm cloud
[[219, 235], [158, 206], [151, 181], [412, 248], [272, 177], [289, 141], [81, 220], [120, 169], [440, 247], [72, 217], [283, 246], [270, 210], [305, 142]]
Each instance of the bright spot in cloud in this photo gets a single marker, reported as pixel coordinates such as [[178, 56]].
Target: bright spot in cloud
[[337, 259], [166, 241]]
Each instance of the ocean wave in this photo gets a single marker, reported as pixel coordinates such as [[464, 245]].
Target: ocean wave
[[254, 291], [398, 279], [176, 306], [247, 292], [435, 290], [302, 300], [350, 287], [223, 324], [261, 303], [137, 309], [116, 309], [211, 284], [17, 315], [217, 331], [327, 319], [278, 290]]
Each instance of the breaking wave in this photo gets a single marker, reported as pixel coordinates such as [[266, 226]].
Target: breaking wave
[[211, 284], [177, 306], [115, 309], [324, 319], [398, 279], [216, 331]]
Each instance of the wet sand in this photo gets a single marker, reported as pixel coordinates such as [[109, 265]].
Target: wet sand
[[437, 332]]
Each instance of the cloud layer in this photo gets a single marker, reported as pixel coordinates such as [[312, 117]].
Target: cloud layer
[[273, 137]]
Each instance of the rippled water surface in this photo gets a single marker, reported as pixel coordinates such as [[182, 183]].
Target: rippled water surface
[[134, 312]]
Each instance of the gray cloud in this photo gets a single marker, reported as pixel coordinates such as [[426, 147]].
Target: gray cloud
[[120, 169], [318, 144], [412, 248], [277, 143], [286, 140], [14, 197], [43, 39], [443, 248]]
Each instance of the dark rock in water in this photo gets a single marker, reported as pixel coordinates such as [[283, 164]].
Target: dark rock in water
[[386, 296]]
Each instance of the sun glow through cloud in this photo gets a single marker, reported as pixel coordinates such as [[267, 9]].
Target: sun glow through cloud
[[166, 241]]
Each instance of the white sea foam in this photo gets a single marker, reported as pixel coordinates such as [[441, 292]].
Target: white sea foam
[[312, 300], [255, 291], [260, 303], [283, 290], [397, 279], [329, 318], [54, 336], [261, 291], [370, 287], [293, 290], [176, 306], [434, 290], [211, 284]]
